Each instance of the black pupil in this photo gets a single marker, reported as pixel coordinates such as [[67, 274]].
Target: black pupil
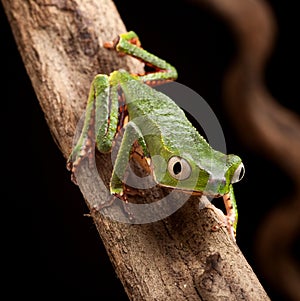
[[241, 173], [177, 168]]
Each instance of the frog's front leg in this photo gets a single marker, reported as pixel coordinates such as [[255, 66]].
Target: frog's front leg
[[100, 123], [232, 213], [132, 134]]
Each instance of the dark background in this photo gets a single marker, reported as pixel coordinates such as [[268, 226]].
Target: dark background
[[53, 249]]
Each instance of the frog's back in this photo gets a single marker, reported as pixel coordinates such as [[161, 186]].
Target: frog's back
[[159, 115]]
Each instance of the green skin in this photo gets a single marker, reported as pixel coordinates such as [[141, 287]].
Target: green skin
[[178, 156]]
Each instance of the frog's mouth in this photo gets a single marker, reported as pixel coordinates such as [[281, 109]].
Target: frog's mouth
[[200, 193], [193, 192]]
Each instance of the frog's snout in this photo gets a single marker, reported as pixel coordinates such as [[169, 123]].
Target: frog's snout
[[215, 185]]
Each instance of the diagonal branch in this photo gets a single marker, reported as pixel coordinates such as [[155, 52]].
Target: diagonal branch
[[182, 257]]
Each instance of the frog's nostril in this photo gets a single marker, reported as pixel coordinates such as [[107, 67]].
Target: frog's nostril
[[215, 185]]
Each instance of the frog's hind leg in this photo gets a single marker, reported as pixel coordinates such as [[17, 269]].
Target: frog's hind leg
[[84, 147], [99, 126], [129, 43]]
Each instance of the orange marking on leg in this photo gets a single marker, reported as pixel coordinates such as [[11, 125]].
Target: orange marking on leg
[[230, 215]]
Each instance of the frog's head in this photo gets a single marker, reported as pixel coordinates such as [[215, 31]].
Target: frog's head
[[231, 171], [212, 177]]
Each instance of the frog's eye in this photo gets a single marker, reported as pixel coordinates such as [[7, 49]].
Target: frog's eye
[[238, 174], [179, 168]]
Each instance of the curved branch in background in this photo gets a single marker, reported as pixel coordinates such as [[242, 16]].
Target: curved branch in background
[[266, 126]]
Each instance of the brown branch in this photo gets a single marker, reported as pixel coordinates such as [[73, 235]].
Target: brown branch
[[182, 257], [267, 127]]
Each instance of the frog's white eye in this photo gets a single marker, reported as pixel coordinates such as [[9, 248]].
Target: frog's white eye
[[179, 168], [238, 174]]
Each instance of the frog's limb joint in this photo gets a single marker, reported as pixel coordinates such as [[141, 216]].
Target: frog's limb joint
[[110, 202]]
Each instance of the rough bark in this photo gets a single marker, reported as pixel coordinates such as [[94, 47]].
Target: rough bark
[[182, 257]]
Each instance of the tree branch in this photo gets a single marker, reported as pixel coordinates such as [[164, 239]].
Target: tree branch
[[182, 257]]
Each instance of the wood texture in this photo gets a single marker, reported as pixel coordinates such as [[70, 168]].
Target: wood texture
[[182, 257]]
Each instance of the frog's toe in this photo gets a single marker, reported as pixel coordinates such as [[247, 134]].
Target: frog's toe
[[71, 166], [74, 161], [77, 156]]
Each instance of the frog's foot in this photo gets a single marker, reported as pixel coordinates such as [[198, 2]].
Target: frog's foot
[[225, 223], [84, 151], [230, 228], [222, 220], [228, 221], [125, 206], [112, 199], [130, 37], [85, 147]]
